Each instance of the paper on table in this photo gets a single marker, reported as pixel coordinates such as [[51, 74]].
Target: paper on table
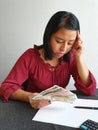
[[65, 114]]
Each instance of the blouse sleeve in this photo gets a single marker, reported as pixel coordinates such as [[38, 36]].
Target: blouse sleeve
[[17, 75], [87, 90]]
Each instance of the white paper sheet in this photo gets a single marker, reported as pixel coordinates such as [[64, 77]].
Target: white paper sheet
[[65, 114]]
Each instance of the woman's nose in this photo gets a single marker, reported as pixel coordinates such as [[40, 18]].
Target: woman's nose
[[64, 46]]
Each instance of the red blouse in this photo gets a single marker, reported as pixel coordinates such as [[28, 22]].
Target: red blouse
[[41, 75]]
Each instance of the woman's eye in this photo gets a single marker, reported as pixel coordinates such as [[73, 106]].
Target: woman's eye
[[70, 43], [59, 41]]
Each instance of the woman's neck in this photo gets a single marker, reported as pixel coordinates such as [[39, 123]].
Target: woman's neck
[[54, 62]]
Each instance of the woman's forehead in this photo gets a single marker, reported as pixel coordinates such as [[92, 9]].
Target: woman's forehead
[[65, 34]]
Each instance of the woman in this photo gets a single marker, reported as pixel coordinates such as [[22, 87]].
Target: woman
[[52, 63]]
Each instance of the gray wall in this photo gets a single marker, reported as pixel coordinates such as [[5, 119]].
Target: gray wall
[[22, 24]]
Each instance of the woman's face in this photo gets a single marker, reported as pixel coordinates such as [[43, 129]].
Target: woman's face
[[62, 41]]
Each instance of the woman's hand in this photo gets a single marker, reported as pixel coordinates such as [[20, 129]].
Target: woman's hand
[[78, 46], [36, 104]]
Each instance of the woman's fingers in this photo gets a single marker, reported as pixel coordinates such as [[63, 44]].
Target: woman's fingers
[[36, 104], [40, 103]]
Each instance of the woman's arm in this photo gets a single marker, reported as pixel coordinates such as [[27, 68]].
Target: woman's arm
[[81, 66], [84, 80], [22, 95], [83, 71]]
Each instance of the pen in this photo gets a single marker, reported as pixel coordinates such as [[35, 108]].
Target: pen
[[85, 107]]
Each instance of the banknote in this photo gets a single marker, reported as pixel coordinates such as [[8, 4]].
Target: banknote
[[56, 93]]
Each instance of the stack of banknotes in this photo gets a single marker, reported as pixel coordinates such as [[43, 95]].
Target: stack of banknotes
[[56, 93]]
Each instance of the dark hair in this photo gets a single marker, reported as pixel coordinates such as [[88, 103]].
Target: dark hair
[[60, 19]]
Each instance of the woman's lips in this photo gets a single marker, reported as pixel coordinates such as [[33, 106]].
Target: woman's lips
[[59, 54]]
